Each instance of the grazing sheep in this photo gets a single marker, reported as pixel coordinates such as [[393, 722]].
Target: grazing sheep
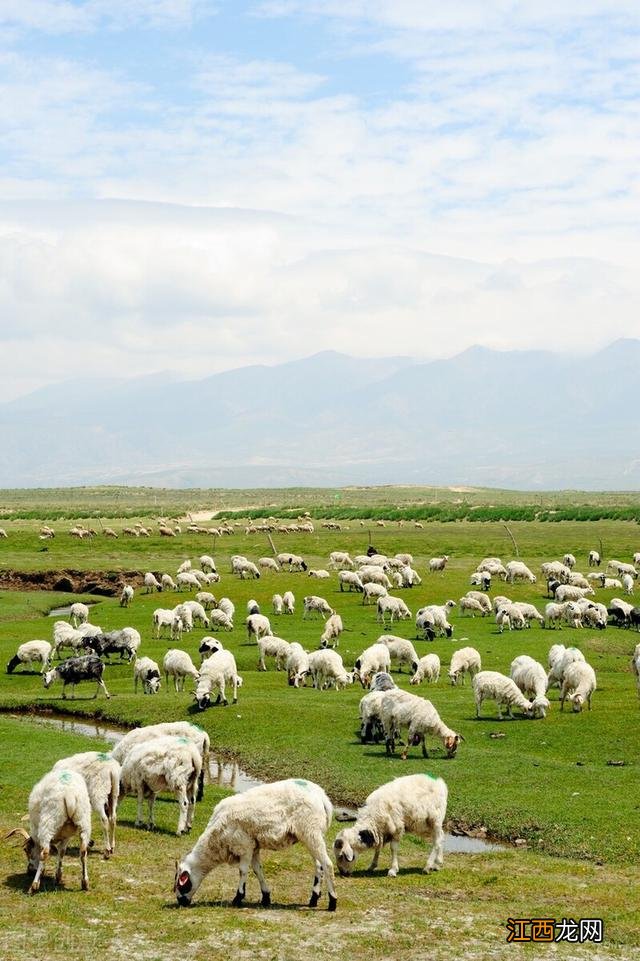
[[271, 646], [207, 563], [220, 620], [530, 612], [518, 571], [578, 580], [269, 564], [492, 686], [371, 727], [635, 666], [560, 658], [289, 602], [77, 669], [327, 670], [277, 604], [101, 774], [555, 570], [578, 685], [472, 605], [148, 672], [168, 583], [140, 735], [297, 665], [268, 817], [124, 642], [374, 575], [207, 599], [531, 678], [416, 803], [185, 566], [394, 606], [187, 579], [569, 560], [556, 613], [627, 583], [339, 559], [439, 613], [178, 665], [78, 614], [257, 626], [400, 650], [152, 583], [29, 653], [64, 635], [373, 591], [566, 592], [127, 595], [252, 606], [216, 672], [59, 808], [594, 559], [428, 669], [466, 660], [351, 579], [333, 628], [319, 573], [165, 763], [619, 567], [401, 709], [481, 579], [197, 612], [316, 605], [373, 659], [438, 563], [493, 566], [426, 624], [294, 561], [209, 646]]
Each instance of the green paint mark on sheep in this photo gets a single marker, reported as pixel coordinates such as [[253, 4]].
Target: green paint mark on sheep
[[65, 776], [433, 777], [103, 756], [301, 782], [182, 740]]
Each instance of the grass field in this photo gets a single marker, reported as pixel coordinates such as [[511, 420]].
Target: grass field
[[547, 782]]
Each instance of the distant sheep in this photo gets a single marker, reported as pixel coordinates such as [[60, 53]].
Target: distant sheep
[[531, 678], [257, 626], [147, 673], [466, 660], [178, 665], [428, 669], [316, 605], [578, 685], [333, 628], [438, 563], [30, 653], [490, 685]]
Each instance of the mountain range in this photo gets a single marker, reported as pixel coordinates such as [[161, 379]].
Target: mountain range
[[521, 419]]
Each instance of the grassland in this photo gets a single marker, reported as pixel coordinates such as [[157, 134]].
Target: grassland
[[547, 782]]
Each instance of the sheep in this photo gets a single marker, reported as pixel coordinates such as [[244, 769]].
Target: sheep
[[257, 626], [500, 601], [578, 580], [562, 660], [333, 628], [619, 567], [206, 598], [252, 606], [531, 678], [318, 573], [151, 583], [439, 614], [185, 566], [126, 596], [326, 669], [556, 571], [163, 618], [569, 560], [394, 606], [294, 561], [490, 685], [401, 650], [425, 623], [209, 646], [166, 763], [297, 664], [187, 579], [207, 563], [217, 671], [165, 531], [518, 571], [277, 604], [101, 774], [64, 635], [427, 669], [289, 602], [616, 603], [340, 559], [178, 665], [316, 605], [466, 660], [593, 614], [635, 666], [351, 580], [59, 808], [404, 559], [594, 559], [197, 611], [481, 579], [77, 669], [371, 728], [627, 583], [3, 533], [608, 583], [374, 575], [375, 658], [566, 592], [530, 612], [416, 803], [371, 591], [269, 564], [29, 653], [220, 620], [556, 613], [270, 646], [148, 672], [493, 566], [270, 817], [578, 685], [78, 614], [124, 642], [438, 563], [167, 583], [408, 576], [245, 568], [472, 605], [402, 709], [140, 735], [225, 606]]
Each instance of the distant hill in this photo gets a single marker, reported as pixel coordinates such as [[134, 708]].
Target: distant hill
[[522, 419]]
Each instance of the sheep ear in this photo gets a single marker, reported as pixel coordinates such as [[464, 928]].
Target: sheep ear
[[21, 831], [367, 838], [460, 737]]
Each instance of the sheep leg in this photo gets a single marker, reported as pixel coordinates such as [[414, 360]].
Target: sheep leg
[[393, 870], [139, 821], [324, 868], [222, 697], [436, 856], [243, 869], [183, 802], [151, 802], [102, 685], [62, 847], [376, 855], [256, 866], [35, 884], [106, 833]]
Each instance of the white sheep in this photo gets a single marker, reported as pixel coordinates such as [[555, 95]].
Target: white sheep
[[327, 670], [220, 620], [351, 580], [627, 583], [29, 653], [578, 685], [554, 614], [207, 599], [531, 678], [198, 612], [207, 563], [394, 606], [483, 600], [59, 808], [318, 573], [555, 570], [567, 592], [178, 665], [340, 559], [401, 650], [472, 605], [297, 664], [569, 560], [374, 575], [466, 660], [373, 591], [402, 709], [375, 658], [64, 635], [163, 764], [268, 817], [438, 563], [140, 735], [316, 605], [578, 579], [333, 628], [151, 583], [146, 671], [371, 727], [277, 604], [187, 579], [257, 626], [101, 774], [269, 564], [416, 803], [492, 686], [162, 619], [184, 613], [78, 614], [185, 566], [271, 646], [126, 596], [594, 559], [518, 571], [560, 658], [252, 606], [481, 579], [439, 614], [530, 612], [217, 672], [635, 666], [428, 669], [168, 583], [289, 602]]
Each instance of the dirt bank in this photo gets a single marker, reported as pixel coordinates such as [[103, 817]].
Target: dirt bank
[[103, 583]]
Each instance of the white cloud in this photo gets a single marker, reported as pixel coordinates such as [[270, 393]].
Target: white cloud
[[64, 16]]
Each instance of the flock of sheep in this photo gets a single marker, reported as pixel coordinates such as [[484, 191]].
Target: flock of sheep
[[173, 757]]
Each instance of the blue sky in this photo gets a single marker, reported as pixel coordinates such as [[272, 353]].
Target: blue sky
[[197, 185]]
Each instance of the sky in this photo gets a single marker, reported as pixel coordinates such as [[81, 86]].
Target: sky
[[190, 186]]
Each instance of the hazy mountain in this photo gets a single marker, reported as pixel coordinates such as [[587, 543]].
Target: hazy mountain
[[527, 419]]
